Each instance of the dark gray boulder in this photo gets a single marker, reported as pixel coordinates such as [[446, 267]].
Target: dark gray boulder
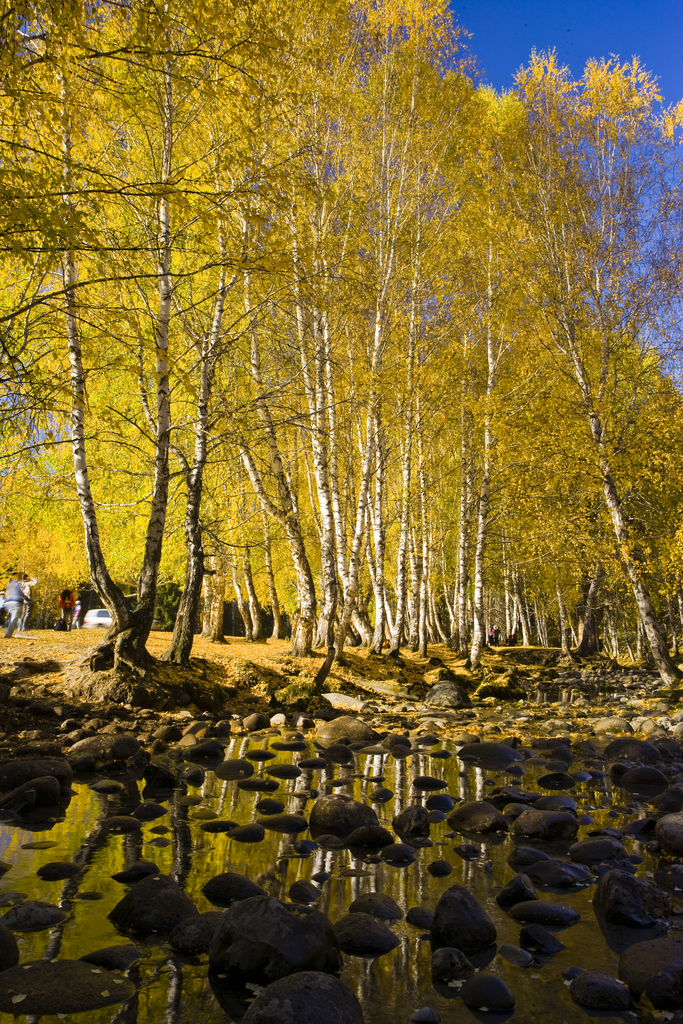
[[655, 968], [622, 899], [154, 904], [477, 816], [16, 773], [46, 792], [559, 874], [370, 837], [62, 986], [362, 934], [309, 997], [192, 937], [487, 990], [340, 815], [229, 887], [597, 991], [9, 950], [450, 964], [537, 939], [544, 912], [379, 904], [412, 821], [263, 939], [113, 958], [628, 748], [303, 891], [344, 727], [448, 694], [492, 756], [669, 833], [33, 916], [460, 921], [532, 824], [113, 746], [599, 850], [518, 890]]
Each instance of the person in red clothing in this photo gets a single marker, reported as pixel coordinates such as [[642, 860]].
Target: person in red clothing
[[67, 602]]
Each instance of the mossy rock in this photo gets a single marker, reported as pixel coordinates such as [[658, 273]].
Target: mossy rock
[[501, 688], [300, 690], [440, 675]]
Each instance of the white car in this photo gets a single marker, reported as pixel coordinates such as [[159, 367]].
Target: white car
[[99, 618]]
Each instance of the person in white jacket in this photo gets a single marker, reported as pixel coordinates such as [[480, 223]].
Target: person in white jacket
[[27, 584]]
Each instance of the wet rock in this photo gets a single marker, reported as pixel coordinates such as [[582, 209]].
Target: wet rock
[[309, 997], [426, 1015], [559, 874], [518, 890], [160, 778], [110, 746], [255, 722], [597, 991], [655, 968], [399, 855], [254, 832], [555, 803], [448, 694], [439, 802], [537, 939], [65, 986], [193, 936], [379, 904], [149, 811], [623, 899], [669, 833], [487, 991], [491, 756], [229, 887], [303, 891], [420, 917], [340, 815], [15, 773], [460, 921], [629, 748], [113, 958], [45, 790], [613, 724], [670, 877], [671, 800], [450, 964], [289, 824], [467, 851], [55, 871], [477, 816], [136, 872], [427, 783], [524, 856], [234, 770], [544, 912], [346, 727], [121, 824], [370, 837], [263, 939], [533, 824], [9, 950], [439, 868], [154, 904], [412, 821], [646, 776], [556, 780], [515, 956], [362, 934], [600, 849], [33, 916]]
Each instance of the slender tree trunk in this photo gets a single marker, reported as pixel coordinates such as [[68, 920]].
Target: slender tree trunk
[[379, 536], [424, 575], [521, 612], [564, 640], [255, 612], [466, 512], [207, 600], [414, 599], [674, 637], [270, 577], [242, 605], [587, 626], [217, 608]]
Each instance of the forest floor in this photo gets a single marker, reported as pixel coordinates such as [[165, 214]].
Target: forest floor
[[263, 677]]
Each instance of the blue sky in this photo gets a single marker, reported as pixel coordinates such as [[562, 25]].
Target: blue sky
[[505, 33]]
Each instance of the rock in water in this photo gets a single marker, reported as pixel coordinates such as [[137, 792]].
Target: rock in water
[[412, 821], [155, 904], [309, 997], [379, 904], [362, 934], [113, 958], [449, 964], [459, 921], [33, 916], [487, 991], [597, 991], [623, 899], [344, 727], [448, 694], [192, 937], [477, 816], [669, 833], [655, 968], [340, 815], [545, 825], [261, 939], [491, 756], [65, 986], [544, 912], [518, 890], [9, 951]]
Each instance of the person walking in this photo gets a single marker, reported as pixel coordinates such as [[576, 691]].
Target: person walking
[[14, 606], [67, 602], [27, 584], [496, 635]]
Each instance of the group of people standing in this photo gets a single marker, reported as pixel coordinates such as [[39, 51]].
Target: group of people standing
[[17, 603]]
